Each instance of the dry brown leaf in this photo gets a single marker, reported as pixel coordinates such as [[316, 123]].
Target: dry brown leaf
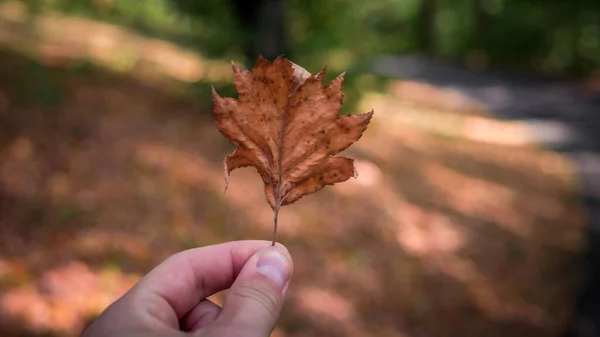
[[286, 125]]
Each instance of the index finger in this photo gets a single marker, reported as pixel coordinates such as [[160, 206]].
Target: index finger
[[186, 278]]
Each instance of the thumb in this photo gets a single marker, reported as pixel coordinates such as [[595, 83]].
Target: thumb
[[255, 300]]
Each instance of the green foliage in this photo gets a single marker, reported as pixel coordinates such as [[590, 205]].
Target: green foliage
[[561, 37]]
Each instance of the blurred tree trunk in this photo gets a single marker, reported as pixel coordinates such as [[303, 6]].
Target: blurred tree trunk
[[426, 27], [483, 20], [264, 25]]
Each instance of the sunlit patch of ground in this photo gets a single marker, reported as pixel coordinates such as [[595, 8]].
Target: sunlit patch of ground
[[441, 234], [58, 39], [62, 299]]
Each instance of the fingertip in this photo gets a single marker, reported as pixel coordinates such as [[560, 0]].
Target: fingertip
[[257, 295], [275, 266], [283, 250]]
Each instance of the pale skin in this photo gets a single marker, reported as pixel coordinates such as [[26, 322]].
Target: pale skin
[[171, 300]]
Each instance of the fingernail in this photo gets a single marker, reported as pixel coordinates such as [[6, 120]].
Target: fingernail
[[275, 266]]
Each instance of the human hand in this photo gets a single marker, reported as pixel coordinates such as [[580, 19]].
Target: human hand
[[172, 301]]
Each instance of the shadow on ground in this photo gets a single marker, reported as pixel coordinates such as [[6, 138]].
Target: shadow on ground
[[103, 175]]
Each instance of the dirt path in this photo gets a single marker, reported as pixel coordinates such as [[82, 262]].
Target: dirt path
[[559, 114]]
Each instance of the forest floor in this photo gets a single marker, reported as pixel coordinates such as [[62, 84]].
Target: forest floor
[[458, 224]]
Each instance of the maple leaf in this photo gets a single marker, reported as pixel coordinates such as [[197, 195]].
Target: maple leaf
[[286, 125]]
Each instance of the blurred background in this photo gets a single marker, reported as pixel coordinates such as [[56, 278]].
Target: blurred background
[[476, 209]]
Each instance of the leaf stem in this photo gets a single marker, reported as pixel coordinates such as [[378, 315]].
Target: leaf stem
[[275, 216]]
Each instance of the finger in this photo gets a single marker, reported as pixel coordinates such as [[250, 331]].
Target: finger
[[256, 298], [200, 316], [178, 284]]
